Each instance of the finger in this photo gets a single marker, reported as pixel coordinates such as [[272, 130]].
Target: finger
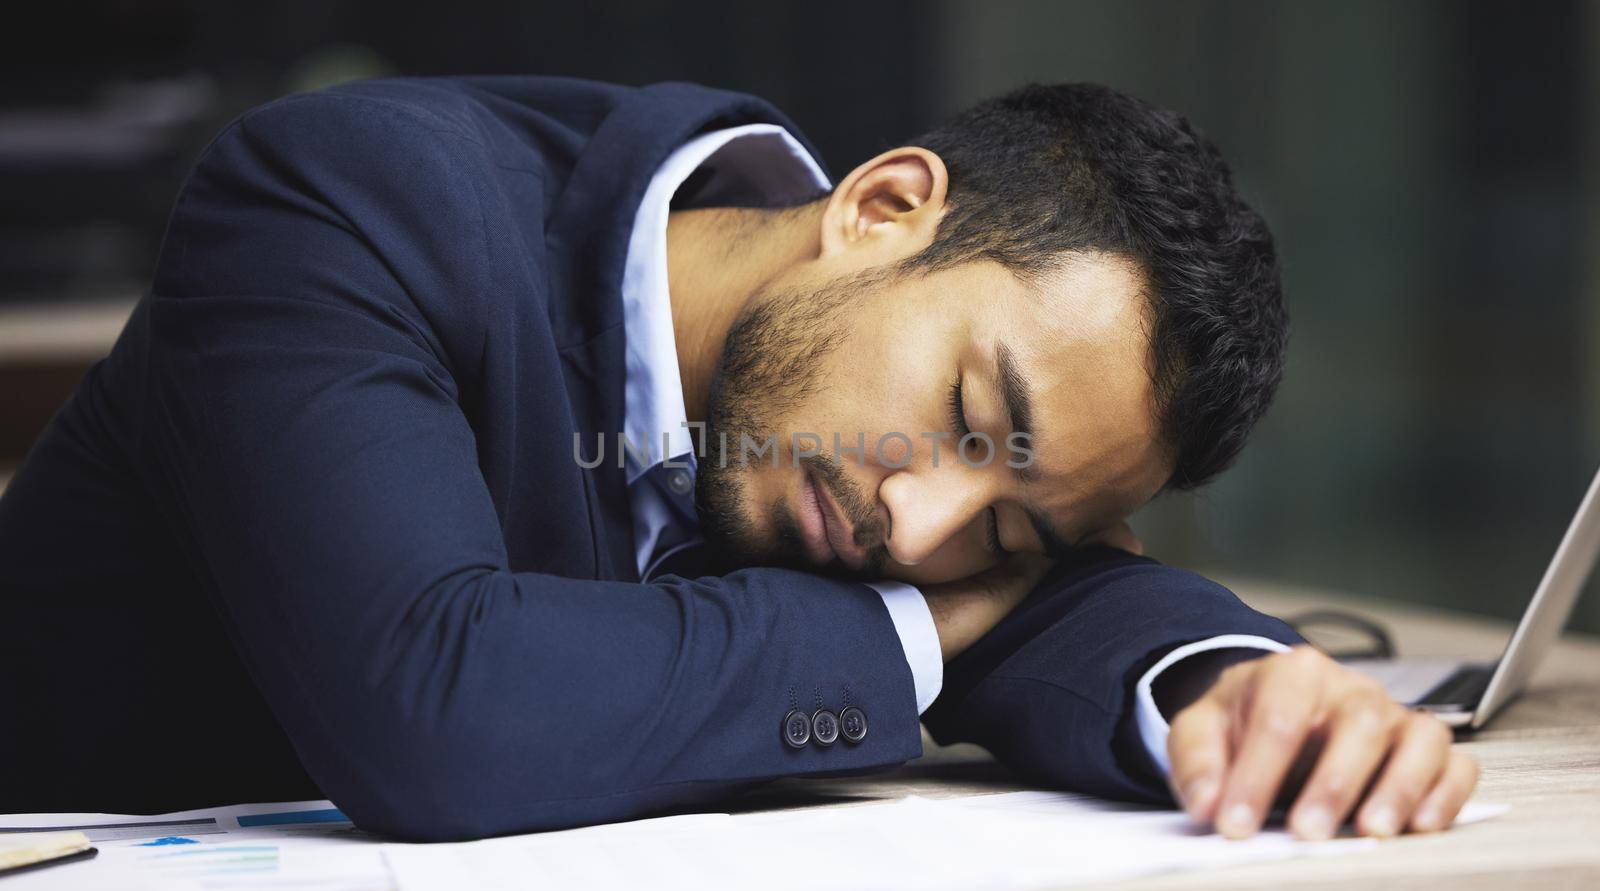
[[1197, 745], [1287, 696], [1439, 809], [1358, 738], [1417, 763]]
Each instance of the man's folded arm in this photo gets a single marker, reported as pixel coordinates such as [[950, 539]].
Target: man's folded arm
[[1053, 690], [308, 426]]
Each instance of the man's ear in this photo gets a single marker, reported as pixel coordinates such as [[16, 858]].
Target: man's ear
[[891, 203]]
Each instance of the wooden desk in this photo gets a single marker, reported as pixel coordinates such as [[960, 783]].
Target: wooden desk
[[1541, 755]]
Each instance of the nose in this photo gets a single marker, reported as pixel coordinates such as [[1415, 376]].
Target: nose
[[928, 505]]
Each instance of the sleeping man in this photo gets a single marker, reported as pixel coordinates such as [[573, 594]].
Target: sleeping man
[[502, 454]]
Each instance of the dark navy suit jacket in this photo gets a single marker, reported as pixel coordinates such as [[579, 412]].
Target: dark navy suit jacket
[[315, 527]]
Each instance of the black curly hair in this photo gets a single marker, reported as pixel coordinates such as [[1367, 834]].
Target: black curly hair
[[1048, 169]]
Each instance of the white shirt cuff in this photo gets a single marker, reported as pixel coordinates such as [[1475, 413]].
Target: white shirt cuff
[[1153, 727], [913, 621]]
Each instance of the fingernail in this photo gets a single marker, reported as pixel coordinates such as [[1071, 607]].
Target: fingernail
[[1314, 822], [1381, 821], [1237, 821], [1199, 792], [1428, 819]]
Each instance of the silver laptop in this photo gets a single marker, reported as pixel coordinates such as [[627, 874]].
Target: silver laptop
[[1467, 695]]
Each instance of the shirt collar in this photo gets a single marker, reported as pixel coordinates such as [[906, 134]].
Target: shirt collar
[[753, 164]]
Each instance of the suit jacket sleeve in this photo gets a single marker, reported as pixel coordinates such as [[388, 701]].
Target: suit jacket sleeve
[[306, 411], [1050, 690]]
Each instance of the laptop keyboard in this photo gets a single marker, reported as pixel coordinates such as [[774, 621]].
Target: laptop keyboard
[[1465, 687]]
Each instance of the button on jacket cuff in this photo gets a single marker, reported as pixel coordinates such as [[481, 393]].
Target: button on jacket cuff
[[1153, 728], [913, 621]]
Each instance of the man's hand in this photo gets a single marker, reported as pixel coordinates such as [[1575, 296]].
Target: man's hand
[[1299, 727], [964, 610]]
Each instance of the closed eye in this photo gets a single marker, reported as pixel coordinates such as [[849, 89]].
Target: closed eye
[[993, 528], [958, 423], [958, 409]]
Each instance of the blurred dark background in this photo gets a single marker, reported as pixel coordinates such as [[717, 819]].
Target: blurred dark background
[[1431, 169]]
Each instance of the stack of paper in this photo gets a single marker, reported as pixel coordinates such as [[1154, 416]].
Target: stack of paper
[[1017, 840], [298, 844]]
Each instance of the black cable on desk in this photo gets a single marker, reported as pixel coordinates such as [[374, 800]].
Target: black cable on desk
[[1381, 646]]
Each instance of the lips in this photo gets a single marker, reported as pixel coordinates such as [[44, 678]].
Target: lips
[[841, 543], [813, 524]]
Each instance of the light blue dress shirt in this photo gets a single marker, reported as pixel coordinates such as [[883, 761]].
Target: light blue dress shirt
[[761, 164]]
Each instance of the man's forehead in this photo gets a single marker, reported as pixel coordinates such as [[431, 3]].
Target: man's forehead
[[1086, 310], [1083, 349]]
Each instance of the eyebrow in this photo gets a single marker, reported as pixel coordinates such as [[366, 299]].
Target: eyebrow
[[1018, 404]]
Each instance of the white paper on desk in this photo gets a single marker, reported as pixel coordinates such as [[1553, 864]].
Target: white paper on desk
[[299, 844], [1017, 840]]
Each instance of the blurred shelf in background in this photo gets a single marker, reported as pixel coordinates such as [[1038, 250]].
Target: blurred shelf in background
[[34, 334], [45, 348]]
